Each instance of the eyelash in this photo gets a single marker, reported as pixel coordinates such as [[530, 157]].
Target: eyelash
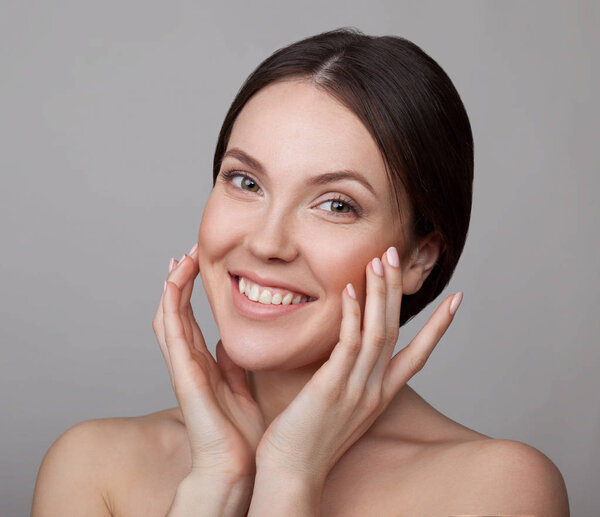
[[229, 175]]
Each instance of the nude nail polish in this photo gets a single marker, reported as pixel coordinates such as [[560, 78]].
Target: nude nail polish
[[456, 303], [377, 266]]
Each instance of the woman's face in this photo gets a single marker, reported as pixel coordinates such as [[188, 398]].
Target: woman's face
[[287, 225]]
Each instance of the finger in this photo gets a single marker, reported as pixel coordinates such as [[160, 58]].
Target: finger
[[393, 304], [186, 294], [199, 341], [411, 359], [189, 374], [374, 333], [233, 374], [343, 357], [159, 330], [193, 273]]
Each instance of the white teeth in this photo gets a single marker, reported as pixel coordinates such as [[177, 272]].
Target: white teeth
[[265, 297], [254, 293]]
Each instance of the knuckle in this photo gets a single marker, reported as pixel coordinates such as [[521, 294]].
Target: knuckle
[[416, 363], [395, 283], [372, 401], [379, 289], [393, 334], [378, 340], [352, 346]]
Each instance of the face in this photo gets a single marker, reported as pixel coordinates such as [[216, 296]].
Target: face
[[272, 222]]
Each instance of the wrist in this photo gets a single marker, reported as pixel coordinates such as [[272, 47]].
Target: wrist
[[198, 494], [281, 491]]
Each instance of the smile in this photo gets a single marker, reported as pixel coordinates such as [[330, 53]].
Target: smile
[[263, 303], [269, 295]]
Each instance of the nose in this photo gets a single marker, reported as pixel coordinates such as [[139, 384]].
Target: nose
[[271, 235]]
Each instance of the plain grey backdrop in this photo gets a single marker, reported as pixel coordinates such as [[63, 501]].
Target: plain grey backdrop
[[109, 114]]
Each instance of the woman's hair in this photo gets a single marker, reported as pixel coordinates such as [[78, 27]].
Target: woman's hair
[[415, 115]]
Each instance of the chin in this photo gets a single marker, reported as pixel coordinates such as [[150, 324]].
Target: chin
[[260, 353]]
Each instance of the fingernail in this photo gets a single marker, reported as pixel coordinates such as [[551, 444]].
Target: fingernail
[[455, 303], [392, 256], [171, 264], [165, 286], [193, 249], [350, 290], [377, 266], [181, 259]]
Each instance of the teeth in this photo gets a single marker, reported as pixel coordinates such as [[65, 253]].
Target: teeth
[[265, 297], [254, 293]]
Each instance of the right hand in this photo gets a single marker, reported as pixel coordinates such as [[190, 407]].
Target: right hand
[[223, 422]]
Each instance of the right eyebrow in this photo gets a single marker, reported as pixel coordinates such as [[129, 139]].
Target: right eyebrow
[[321, 179]]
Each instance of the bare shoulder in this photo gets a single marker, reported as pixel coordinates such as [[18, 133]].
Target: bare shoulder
[[501, 477], [105, 467]]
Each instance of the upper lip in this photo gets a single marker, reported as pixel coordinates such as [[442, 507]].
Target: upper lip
[[268, 282]]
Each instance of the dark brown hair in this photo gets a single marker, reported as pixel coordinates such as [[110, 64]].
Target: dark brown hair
[[416, 117]]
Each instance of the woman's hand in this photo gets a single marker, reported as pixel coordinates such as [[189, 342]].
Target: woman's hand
[[358, 381], [223, 422]]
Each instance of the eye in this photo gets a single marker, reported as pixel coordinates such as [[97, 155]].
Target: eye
[[246, 182], [342, 206]]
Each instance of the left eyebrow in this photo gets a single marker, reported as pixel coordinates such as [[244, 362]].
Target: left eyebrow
[[321, 179]]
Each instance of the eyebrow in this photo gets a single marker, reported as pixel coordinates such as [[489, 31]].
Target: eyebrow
[[321, 179]]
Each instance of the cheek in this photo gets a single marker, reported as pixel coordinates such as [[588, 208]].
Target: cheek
[[217, 230], [342, 259]]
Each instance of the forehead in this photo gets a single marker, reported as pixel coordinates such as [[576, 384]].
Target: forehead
[[295, 126]]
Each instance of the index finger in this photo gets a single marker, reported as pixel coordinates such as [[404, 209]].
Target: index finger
[[411, 359]]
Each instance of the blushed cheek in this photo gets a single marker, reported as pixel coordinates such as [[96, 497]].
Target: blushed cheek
[[343, 260], [217, 231]]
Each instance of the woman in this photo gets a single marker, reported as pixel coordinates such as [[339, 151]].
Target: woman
[[341, 202]]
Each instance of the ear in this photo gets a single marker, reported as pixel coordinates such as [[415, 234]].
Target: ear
[[420, 264]]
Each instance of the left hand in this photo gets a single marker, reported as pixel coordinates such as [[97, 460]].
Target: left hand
[[354, 386]]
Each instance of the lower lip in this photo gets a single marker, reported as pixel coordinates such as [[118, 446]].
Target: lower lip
[[257, 310]]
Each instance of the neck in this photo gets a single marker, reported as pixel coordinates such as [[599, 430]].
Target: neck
[[274, 390]]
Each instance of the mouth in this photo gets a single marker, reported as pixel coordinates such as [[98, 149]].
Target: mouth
[[265, 309], [277, 294]]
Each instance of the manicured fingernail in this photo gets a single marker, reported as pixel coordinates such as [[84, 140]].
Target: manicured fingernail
[[165, 286], [171, 264], [193, 249], [455, 303], [350, 290], [392, 256], [377, 266]]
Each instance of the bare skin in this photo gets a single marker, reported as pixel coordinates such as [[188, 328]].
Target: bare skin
[[412, 460], [410, 442]]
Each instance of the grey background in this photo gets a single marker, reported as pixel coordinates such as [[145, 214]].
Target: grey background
[[109, 113]]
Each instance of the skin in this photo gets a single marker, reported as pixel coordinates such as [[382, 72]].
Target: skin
[[279, 399], [305, 408], [291, 232]]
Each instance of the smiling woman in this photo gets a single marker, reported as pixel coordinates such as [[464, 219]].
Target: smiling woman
[[340, 206]]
